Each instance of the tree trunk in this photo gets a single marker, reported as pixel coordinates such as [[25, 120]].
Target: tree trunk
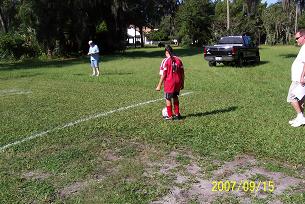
[[135, 36], [2, 22], [141, 34]]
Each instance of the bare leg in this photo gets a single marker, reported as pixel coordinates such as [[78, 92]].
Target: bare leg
[[301, 104], [296, 106], [300, 120], [97, 71]]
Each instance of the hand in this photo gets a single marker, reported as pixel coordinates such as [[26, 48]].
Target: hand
[[182, 86], [158, 88]]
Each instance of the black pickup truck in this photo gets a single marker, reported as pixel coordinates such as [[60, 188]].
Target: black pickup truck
[[236, 50]]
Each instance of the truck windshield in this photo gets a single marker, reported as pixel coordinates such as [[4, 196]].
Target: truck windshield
[[231, 40]]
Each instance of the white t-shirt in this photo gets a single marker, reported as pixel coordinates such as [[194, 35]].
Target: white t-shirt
[[297, 65], [95, 50]]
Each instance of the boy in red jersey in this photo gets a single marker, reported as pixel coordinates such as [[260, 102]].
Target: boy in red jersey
[[172, 75]]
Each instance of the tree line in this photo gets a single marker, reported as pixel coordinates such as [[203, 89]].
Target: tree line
[[42, 27]]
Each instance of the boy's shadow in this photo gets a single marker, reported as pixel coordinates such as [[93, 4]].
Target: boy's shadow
[[214, 112]]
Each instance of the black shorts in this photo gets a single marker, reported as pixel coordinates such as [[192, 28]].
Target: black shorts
[[169, 96]]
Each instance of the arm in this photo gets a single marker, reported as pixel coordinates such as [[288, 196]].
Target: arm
[[163, 73], [90, 52], [302, 80], [158, 88]]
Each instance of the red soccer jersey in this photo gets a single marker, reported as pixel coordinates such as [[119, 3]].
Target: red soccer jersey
[[173, 72]]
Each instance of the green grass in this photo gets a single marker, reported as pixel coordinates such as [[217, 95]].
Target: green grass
[[231, 111]]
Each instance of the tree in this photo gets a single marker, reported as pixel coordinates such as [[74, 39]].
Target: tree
[[299, 7], [7, 15], [193, 21], [150, 12], [245, 18], [278, 26]]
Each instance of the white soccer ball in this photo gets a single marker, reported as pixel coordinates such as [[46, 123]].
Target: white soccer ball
[[164, 112]]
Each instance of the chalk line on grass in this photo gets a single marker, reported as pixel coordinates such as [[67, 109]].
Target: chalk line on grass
[[8, 92], [2, 148]]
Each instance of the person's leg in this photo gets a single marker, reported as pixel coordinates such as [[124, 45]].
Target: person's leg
[[97, 71], [295, 104], [169, 107], [96, 68], [301, 104], [299, 120], [93, 67], [298, 109], [291, 99], [176, 106]]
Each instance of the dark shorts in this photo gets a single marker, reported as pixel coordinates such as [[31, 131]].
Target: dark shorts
[[169, 96]]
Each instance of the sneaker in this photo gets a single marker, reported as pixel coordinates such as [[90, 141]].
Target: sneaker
[[177, 117], [298, 122], [292, 121], [167, 118]]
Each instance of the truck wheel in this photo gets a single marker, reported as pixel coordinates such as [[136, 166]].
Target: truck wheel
[[212, 63]]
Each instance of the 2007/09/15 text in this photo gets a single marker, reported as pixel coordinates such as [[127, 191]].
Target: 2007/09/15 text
[[246, 186]]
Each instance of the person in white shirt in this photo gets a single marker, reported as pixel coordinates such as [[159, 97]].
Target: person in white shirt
[[297, 79], [94, 58]]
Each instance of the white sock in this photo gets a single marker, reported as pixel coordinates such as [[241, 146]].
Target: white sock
[[300, 115]]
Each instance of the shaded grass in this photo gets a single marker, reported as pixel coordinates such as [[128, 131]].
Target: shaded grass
[[231, 111]]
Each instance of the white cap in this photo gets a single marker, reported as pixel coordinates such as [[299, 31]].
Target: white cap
[[90, 42]]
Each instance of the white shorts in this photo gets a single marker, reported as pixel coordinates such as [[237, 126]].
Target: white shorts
[[291, 97], [94, 63]]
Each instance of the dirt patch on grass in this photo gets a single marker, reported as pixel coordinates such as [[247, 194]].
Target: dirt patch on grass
[[78, 186], [250, 182], [73, 188], [189, 177], [109, 155]]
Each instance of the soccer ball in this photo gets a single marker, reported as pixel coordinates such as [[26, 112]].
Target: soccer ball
[[164, 112]]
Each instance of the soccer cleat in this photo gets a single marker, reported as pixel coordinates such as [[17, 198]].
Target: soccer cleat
[[177, 117], [298, 122], [167, 118]]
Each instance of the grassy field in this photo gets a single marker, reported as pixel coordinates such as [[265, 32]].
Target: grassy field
[[132, 155]]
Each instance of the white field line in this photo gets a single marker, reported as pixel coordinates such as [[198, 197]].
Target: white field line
[[16, 93], [13, 92], [9, 90], [41, 134]]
